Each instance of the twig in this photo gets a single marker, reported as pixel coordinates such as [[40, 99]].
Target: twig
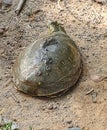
[[90, 91], [20, 6]]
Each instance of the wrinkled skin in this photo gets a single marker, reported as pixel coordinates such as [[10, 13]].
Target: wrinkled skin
[[49, 66]]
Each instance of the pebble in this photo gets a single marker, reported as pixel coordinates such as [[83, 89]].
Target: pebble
[[51, 107], [69, 122], [101, 1], [74, 128], [98, 78], [95, 78], [7, 2], [94, 97]]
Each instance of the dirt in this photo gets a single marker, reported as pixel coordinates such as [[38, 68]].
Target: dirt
[[84, 106]]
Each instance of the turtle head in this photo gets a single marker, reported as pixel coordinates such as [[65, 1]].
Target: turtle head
[[55, 27]]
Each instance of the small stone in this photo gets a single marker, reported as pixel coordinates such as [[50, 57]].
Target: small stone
[[9, 67], [94, 97], [98, 78], [101, 1], [50, 107], [7, 2], [69, 122], [74, 128], [95, 78]]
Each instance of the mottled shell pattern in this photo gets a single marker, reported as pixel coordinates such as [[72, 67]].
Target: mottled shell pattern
[[49, 66]]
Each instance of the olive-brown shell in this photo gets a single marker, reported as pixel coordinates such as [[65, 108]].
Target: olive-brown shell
[[48, 66]]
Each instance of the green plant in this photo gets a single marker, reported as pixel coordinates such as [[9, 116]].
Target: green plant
[[7, 126], [30, 128]]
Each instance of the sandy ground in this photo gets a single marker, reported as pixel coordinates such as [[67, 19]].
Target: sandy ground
[[86, 23]]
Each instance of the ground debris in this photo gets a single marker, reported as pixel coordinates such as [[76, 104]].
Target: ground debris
[[8, 124], [94, 97], [7, 2], [98, 78], [74, 128], [20, 6], [101, 1], [37, 11], [93, 94], [5, 6], [90, 91], [51, 107]]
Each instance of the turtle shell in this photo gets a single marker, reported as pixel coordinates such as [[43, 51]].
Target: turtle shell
[[49, 66]]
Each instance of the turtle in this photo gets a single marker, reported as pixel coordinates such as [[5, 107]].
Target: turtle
[[49, 66]]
